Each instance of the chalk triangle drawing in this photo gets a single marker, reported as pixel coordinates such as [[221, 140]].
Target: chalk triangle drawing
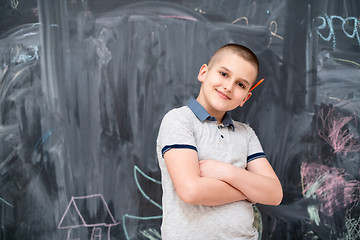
[[71, 217], [77, 213]]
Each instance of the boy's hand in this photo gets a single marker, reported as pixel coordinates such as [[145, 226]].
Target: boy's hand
[[213, 168], [216, 169]]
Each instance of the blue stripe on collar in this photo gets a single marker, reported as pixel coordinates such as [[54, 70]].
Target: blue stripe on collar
[[201, 113], [227, 121], [199, 110]]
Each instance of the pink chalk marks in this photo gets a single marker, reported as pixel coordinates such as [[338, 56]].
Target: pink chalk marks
[[330, 186], [77, 219], [35, 11], [333, 131]]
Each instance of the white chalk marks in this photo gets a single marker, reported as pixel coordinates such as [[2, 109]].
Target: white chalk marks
[[14, 4], [91, 213], [2, 200]]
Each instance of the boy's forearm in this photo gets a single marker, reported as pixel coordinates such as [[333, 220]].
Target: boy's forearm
[[258, 182], [191, 187], [214, 192], [258, 188]]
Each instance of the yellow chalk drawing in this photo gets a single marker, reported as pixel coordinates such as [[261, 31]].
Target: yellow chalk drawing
[[348, 61]]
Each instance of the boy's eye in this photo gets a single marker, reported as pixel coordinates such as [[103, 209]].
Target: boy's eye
[[241, 85], [224, 74]]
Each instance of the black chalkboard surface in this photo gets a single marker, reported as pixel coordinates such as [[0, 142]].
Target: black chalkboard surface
[[85, 84]]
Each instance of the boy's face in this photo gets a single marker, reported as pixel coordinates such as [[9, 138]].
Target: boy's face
[[226, 83]]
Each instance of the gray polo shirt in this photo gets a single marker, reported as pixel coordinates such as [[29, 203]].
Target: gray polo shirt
[[232, 142]]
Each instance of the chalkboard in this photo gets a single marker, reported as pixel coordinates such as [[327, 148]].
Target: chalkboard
[[85, 84]]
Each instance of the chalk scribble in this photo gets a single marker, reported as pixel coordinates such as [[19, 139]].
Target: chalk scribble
[[353, 229], [330, 186], [334, 132]]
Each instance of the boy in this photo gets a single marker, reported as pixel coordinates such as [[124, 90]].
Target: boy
[[213, 168]]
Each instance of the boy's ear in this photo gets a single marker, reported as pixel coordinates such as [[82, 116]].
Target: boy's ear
[[245, 99], [202, 72]]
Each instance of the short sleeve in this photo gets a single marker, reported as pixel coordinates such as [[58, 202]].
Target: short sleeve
[[176, 131], [254, 146]]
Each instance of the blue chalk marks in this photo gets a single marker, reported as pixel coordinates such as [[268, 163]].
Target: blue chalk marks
[[1, 199], [138, 170], [149, 233], [155, 234], [42, 140], [328, 21]]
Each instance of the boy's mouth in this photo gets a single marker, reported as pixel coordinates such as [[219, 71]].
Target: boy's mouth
[[223, 95]]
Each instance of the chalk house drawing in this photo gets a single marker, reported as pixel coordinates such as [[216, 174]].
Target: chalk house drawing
[[77, 220]]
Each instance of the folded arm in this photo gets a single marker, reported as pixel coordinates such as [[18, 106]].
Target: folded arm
[[258, 181], [191, 187]]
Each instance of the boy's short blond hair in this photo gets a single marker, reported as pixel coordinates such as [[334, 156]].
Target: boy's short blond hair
[[238, 49]]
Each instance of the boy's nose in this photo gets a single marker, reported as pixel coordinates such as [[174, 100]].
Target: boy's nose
[[228, 85]]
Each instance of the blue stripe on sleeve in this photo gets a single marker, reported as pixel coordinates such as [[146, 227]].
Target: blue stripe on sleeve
[[168, 147], [255, 156]]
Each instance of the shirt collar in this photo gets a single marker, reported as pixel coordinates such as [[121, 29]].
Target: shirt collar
[[203, 115]]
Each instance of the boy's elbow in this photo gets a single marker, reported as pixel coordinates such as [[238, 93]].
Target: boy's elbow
[[278, 197], [278, 200], [273, 198], [189, 199], [189, 195]]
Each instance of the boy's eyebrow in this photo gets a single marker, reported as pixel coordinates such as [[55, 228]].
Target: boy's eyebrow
[[228, 70]]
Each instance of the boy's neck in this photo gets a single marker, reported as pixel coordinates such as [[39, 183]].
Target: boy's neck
[[219, 117]]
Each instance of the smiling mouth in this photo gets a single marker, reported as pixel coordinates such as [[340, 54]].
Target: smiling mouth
[[223, 95]]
